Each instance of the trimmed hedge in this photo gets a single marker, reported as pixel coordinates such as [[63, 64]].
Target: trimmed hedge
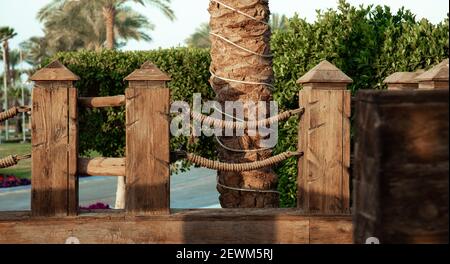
[[367, 43], [102, 74]]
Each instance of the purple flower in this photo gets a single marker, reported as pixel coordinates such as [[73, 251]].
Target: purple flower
[[97, 206]]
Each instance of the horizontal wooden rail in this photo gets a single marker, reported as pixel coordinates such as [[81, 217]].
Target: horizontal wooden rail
[[99, 102], [229, 226], [101, 167]]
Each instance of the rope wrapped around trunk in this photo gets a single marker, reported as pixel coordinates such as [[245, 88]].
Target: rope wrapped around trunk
[[239, 167], [218, 123], [12, 112], [12, 160]]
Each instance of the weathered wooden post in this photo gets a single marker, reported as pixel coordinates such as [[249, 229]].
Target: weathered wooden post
[[147, 141], [403, 80], [401, 166], [436, 78], [54, 142], [324, 137]]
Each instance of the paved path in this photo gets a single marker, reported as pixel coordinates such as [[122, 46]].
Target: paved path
[[193, 189]]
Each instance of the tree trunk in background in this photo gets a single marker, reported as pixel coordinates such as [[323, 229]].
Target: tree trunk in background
[[109, 13], [6, 62], [233, 63], [120, 193]]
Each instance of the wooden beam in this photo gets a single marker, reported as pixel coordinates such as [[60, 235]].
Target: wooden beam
[[99, 102], [101, 167], [228, 226], [401, 166]]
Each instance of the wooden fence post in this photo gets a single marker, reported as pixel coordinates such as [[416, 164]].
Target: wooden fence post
[[403, 80], [401, 167], [54, 142], [436, 78], [324, 137], [147, 142]]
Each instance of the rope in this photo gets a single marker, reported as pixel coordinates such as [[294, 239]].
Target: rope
[[12, 112], [240, 47], [271, 87], [245, 189], [12, 160], [240, 167], [218, 123], [239, 150], [240, 12]]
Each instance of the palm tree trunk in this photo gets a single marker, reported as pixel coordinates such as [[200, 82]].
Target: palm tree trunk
[[6, 82], [233, 63], [6, 62], [109, 13]]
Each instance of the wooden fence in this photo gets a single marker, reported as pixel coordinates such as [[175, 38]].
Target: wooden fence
[[323, 213]]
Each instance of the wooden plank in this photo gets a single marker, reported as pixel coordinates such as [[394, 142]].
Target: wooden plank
[[401, 167], [99, 102], [72, 152], [302, 180], [339, 229], [101, 167], [54, 154], [325, 140], [186, 226], [147, 150]]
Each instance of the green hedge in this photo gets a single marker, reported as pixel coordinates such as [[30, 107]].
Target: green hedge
[[367, 43], [102, 74]]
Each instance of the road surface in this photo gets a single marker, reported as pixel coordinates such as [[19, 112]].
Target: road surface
[[193, 189]]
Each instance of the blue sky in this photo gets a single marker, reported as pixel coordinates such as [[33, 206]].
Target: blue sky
[[20, 14]]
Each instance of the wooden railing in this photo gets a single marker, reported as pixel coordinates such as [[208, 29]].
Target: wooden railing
[[383, 179]]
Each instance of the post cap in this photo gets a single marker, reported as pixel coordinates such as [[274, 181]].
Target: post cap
[[55, 71], [325, 72], [437, 73], [148, 72], [403, 77]]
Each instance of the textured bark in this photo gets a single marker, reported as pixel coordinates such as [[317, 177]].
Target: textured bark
[[6, 62], [231, 62], [109, 13]]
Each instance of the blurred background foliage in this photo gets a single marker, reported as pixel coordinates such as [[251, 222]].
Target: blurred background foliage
[[367, 43]]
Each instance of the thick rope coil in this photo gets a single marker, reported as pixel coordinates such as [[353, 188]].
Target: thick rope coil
[[12, 112], [239, 167], [12, 160], [218, 123]]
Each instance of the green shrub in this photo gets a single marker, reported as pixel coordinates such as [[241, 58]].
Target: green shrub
[[367, 43], [102, 74]]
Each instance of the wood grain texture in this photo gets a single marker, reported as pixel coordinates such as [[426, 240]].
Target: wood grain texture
[[401, 166], [147, 150], [323, 185], [54, 71], [186, 226], [54, 151], [99, 102], [101, 167]]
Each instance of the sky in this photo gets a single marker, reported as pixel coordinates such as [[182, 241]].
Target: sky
[[21, 15]]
